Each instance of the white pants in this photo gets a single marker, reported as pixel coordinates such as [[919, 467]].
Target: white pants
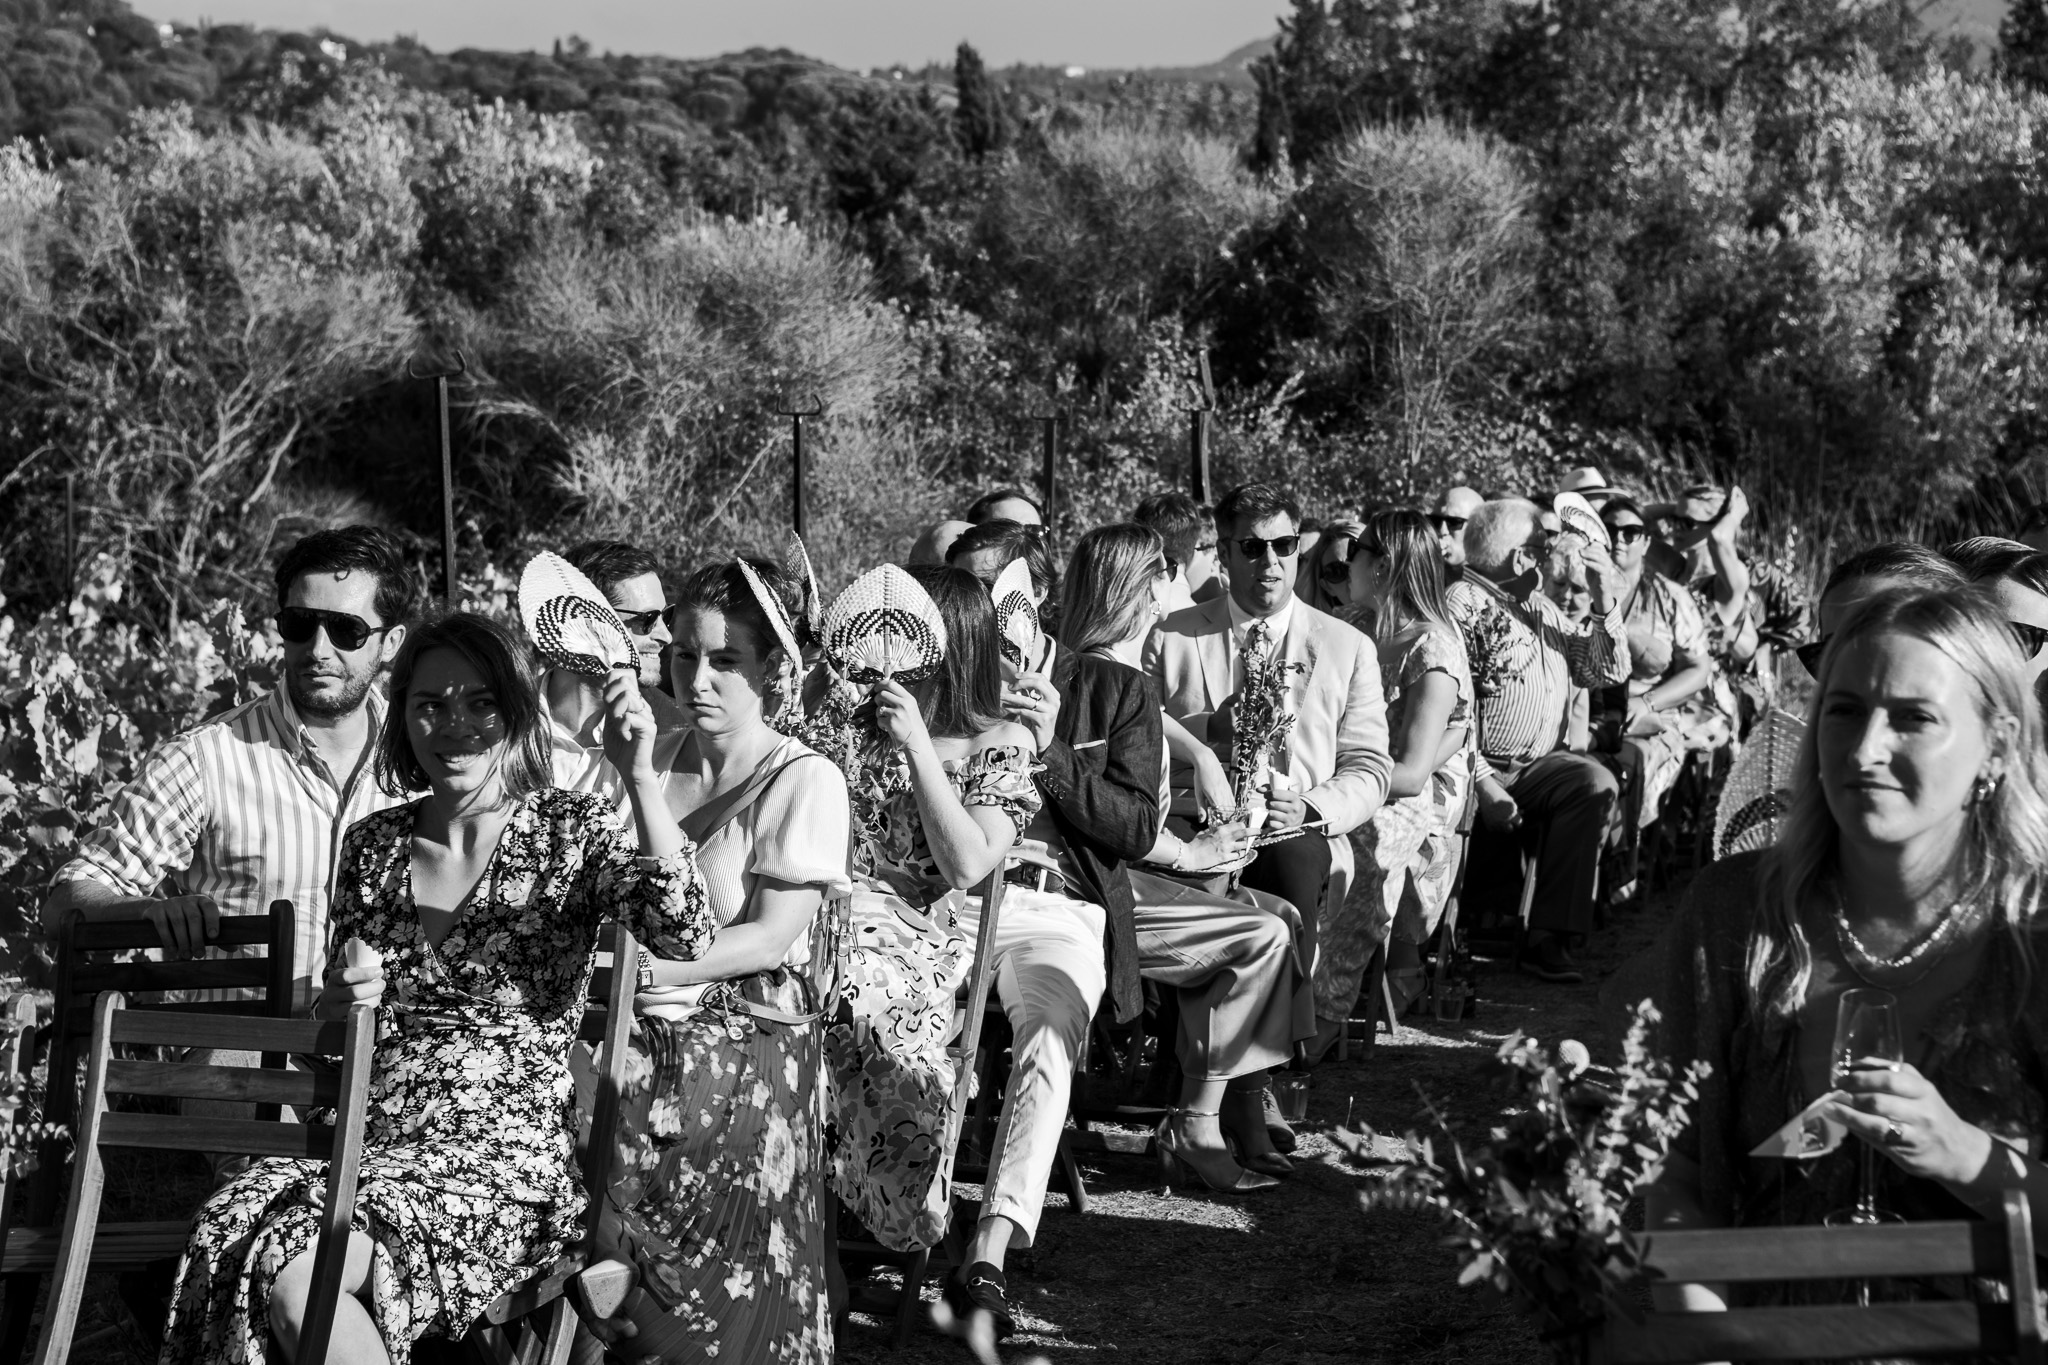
[[1050, 975]]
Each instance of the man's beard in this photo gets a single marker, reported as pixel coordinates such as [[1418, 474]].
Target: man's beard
[[330, 705]]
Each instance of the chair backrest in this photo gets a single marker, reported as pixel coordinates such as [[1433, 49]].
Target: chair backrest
[[608, 1026], [340, 1143], [2000, 1247], [979, 979], [79, 977]]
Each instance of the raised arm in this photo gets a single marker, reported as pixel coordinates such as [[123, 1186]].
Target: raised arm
[[968, 839]]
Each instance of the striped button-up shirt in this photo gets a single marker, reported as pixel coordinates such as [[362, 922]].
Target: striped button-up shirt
[[242, 809], [1527, 657]]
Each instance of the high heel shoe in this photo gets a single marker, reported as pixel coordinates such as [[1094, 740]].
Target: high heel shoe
[[1175, 1164]]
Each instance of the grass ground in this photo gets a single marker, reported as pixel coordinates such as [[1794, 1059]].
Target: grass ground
[[1294, 1276]]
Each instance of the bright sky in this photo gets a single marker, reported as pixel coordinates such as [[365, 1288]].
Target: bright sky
[[857, 34]]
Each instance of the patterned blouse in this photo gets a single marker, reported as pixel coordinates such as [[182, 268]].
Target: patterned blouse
[[1526, 657], [901, 854], [1409, 657]]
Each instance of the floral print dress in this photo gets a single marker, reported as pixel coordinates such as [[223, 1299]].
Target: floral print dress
[[904, 961], [467, 1184], [722, 1125], [1406, 851]]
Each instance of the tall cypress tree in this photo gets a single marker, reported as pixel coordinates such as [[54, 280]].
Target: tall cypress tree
[[2023, 44], [980, 118]]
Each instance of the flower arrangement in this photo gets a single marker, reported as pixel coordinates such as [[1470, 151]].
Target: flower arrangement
[[1536, 1210], [1261, 720]]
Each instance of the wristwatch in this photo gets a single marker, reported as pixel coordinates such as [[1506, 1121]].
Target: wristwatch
[[646, 979]]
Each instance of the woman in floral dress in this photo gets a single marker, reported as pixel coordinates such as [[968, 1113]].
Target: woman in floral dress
[[1406, 851], [723, 1123], [483, 901], [961, 794]]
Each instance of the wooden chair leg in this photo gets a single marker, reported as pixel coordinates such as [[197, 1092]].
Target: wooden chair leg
[[81, 1219], [913, 1296], [1070, 1175], [1375, 990]]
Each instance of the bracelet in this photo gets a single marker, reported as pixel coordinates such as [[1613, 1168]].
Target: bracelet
[[1179, 856], [646, 979]]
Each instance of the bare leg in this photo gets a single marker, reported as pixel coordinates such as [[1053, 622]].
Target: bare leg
[[355, 1340], [991, 1241], [1244, 1115]]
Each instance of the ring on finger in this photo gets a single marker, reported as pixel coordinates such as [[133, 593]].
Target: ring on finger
[[1894, 1136]]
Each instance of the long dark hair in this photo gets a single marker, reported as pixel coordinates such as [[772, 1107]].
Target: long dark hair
[[965, 697], [507, 667]]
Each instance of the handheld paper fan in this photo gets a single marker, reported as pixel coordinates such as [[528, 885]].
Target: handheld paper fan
[[1577, 516], [1016, 615], [570, 622], [778, 617], [1758, 793], [797, 562], [885, 625]]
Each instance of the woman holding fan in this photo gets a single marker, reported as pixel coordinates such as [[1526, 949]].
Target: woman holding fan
[[716, 1209], [1911, 864]]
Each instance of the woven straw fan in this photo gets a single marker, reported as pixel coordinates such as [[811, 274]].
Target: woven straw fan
[[1758, 794], [1576, 515], [885, 625], [796, 561], [1016, 614], [570, 622]]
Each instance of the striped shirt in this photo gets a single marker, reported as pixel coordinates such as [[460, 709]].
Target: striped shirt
[[242, 809], [1527, 657]]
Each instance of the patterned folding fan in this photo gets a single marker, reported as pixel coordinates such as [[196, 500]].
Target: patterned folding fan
[[1576, 515], [777, 614], [570, 622], [797, 562], [885, 625], [1016, 614], [1758, 792]]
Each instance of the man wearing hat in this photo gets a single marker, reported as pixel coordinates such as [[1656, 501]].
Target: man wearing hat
[[1453, 510], [1589, 483]]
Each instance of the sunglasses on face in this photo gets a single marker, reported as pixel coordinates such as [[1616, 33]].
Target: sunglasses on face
[[1168, 566], [642, 622], [1628, 535], [1335, 572], [1679, 523], [1281, 546], [297, 625], [2031, 638], [1448, 526], [1809, 654]]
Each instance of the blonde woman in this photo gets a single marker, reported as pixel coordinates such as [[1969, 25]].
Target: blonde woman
[[1911, 863]]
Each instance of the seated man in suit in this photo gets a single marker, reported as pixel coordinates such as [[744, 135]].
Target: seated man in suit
[[1333, 767]]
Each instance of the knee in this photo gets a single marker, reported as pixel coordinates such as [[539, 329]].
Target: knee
[[288, 1295]]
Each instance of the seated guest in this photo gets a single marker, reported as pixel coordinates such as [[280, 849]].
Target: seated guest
[[932, 545], [1525, 659], [1753, 610], [482, 900], [631, 581], [722, 1139], [1331, 771], [2032, 531], [1669, 708], [1006, 504], [1190, 537], [1863, 575], [1406, 851], [986, 549], [1453, 510], [1589, 483], [2017, 579], [1911, 862], [969, 796]]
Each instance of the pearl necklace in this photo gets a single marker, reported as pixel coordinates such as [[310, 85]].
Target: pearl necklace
[[1953, 923]]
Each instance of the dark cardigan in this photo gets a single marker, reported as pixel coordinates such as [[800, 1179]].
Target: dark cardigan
[[1101, 784]]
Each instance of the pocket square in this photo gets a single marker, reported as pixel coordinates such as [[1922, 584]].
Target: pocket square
[[1090, 744]]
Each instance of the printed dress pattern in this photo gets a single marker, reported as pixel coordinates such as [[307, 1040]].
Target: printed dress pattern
[[1405, 851], [467, 1183], [905, 960]]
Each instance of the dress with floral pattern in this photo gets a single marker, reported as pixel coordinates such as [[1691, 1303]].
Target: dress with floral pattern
[[722, 1122], [467, 1184], [904, 961], [1664, 621], [1406, 851]]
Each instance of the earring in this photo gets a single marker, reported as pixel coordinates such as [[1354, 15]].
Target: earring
[[1984, 788]]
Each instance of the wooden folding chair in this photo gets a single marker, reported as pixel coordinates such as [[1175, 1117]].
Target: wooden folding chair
[[82, 976], [916, 1265], [2000, 1247], [535, 1324], [339, 1144]]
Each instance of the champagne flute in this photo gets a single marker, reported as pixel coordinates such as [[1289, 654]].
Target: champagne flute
[[1866, 1034]]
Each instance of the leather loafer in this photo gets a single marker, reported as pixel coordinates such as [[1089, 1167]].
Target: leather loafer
[[980, 1288]]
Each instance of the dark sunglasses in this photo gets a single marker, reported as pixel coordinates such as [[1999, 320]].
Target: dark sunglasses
[[1168, 566], [1335, 572], [642, 622], [1446, 526], [298, 624], [1282, 546], [2031, 638], [1809, 654], [1679, 523], [1628, 535]]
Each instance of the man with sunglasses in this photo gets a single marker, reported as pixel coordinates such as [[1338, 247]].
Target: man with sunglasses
[[631, 581], [250, 807], [1334, 767], [1453, 510]]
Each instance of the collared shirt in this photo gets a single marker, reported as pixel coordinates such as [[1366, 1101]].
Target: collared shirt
[[242, 809], [1526, 659], [577, 757], [1241, 622]]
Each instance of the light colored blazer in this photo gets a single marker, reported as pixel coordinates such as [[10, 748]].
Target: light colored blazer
[[1338, 749]]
